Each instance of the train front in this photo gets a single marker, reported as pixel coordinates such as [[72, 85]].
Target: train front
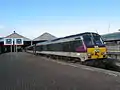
[[95, 46]]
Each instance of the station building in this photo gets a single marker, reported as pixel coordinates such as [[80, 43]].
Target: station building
[[27, 41]]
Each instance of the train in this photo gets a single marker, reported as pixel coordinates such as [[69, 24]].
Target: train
[[87, 47]]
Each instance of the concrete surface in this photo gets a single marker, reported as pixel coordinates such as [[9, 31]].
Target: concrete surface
[[23, 71]]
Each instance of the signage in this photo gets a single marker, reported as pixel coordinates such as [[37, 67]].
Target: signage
[[18, 41], [8, 41]]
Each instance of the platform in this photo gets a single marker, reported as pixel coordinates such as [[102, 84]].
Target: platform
[[23, 71]]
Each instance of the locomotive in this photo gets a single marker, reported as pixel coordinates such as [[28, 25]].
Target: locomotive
[[84, 47]]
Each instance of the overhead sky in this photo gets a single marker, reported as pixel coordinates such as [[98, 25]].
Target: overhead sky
[[61, 18]]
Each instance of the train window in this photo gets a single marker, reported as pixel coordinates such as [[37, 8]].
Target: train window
[[55, 47], [59, 47], [52, 47], [39, 48], [92, 39], [88, 40], [44, 47], [66, 46], [71, 46], [97, 39], [75, 44], [48, 47]]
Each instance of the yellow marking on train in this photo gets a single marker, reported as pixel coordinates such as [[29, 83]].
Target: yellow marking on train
[[96, 53]]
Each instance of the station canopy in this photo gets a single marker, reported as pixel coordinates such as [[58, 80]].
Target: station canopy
[[44, 37], [111, 36]]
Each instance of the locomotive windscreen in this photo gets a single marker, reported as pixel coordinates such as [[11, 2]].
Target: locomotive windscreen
[[97, 39], [92, 39]]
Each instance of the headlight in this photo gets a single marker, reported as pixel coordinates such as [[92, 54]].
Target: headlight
[[78, 54], [89, 54]]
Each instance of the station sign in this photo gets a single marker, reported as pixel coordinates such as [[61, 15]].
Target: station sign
[[8, 41], [18, 41], [13, 41]]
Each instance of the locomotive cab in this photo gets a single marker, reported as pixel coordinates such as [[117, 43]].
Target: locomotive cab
[[95, 46]]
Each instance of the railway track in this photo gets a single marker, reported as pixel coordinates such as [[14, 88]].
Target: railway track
[[111, 65]]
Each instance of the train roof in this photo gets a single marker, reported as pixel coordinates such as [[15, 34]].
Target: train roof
[[62, 38], [72, 36]]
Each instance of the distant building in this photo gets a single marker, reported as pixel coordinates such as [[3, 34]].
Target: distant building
[[111, 36], [27, 41], [112, 41], [43, 37]]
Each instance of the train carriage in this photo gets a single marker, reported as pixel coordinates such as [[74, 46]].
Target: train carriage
[[85, 46]]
